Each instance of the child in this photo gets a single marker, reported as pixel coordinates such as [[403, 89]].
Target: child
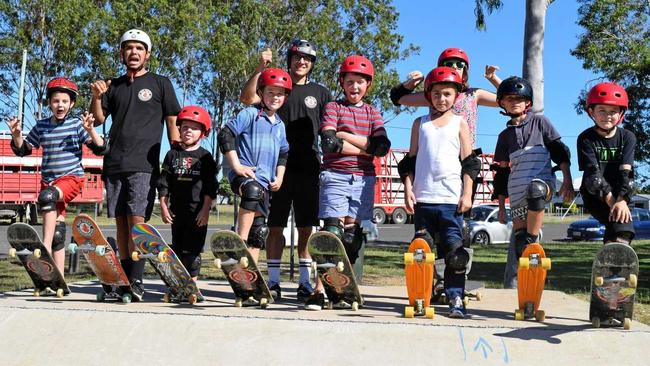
[[606, 156], [352, 134], [187, 186], [256, 148], [523, 153], [62, 176], [438, 173]]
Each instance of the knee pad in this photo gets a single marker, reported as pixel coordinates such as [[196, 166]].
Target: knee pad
[[252, 194], [334, 226], [521, 241], [258, 233], [352, 241], [537, 194], [47, 199], [58, 240], [457, 259], [192, 262], [623, 237]]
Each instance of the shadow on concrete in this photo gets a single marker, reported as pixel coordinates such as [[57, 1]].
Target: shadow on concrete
[[548, 334]]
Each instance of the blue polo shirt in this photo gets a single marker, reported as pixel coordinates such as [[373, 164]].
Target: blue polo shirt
[[259, 142]]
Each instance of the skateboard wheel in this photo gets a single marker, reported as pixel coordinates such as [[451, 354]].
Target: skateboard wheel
[[238, 303], [12, 252], [632, 281], [540, 315], [126, 298], [465, 300], [479, 296], [340, 267], [166, 298], [192, 299], [162, 257], [264, 303], [217, 263], [409, 312], [429, 258], [430, 313], [314, 266], [37, 293], [408, 258], [443, 299], [99, 250], [101, 296], [72, 248], [135, 256], [519, 314], [546, 263], [524, 262], [627, 323], [355, 306], [37, 253], [595, 322], [243, 262], [599, 280], [59, 293]]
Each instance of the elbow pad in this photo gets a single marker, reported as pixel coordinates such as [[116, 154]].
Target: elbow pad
[[626, 184], [282, 159], [560, 153], [99, 150], [226, 140], [594, 182], [378, 145], [501, 182], [406, 166], [25, 149], [471, 166], [397, 93], [329, 143]]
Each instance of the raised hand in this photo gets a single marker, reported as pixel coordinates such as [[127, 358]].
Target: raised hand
[[99, 87], [14, 127], [414, 78], [87, 121]]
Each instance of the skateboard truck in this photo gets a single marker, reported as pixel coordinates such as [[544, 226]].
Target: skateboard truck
[[86, 247], [13, 253]]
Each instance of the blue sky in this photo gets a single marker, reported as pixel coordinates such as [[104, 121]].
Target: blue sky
[[434, 27]]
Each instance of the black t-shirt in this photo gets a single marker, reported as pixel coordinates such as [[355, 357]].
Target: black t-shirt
[[138, 111], [301, 114], [608, 154], [187, 176]]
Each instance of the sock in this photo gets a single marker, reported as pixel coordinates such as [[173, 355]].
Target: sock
[[137, 271], [273, 266], [305, 271], [126, 266]]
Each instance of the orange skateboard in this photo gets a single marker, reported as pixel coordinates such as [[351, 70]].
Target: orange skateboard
[[418, 265], [531, 275]]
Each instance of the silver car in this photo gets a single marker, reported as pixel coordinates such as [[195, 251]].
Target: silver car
[[485, 228]]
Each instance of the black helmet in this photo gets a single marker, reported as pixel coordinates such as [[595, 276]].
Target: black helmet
[[515, 85], [301, 46]]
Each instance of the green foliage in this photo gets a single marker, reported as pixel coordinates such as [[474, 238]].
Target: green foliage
[[225, 190]]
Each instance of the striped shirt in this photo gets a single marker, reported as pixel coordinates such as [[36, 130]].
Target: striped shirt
[[363, 121], [61, 144]]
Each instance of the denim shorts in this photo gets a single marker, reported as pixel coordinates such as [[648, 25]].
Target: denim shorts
[[346, 195]]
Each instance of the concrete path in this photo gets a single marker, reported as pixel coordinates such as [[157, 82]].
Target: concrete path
[[77, 330]]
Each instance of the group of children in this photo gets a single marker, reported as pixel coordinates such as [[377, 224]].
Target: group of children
[[439, 171]]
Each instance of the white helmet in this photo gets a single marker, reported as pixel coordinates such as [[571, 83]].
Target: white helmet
[[136, 35]]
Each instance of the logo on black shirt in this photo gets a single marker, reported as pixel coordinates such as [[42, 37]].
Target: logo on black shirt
[[144, 95], [310, 102], [607, 154]]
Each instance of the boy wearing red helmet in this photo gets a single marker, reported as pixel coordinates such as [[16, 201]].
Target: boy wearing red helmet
[[187, 186], [60, 136], [352, 134], [255, 146], [438, 173], [606, 156]]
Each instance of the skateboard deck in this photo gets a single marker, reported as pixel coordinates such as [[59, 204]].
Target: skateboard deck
[[151, 245], [232, 256], [613, 286], [90, 241], [27, 246], [531, 275], [335, 271], [418, 265]]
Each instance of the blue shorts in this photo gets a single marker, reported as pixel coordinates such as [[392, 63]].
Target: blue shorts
[[346, 195]]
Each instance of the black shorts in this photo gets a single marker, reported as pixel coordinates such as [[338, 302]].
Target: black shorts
[[301, 189], [263, 206], [600, 211], [186, 236]]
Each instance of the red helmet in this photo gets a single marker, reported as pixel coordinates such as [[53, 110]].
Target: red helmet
[[275, 77], [196, 114], [439, 75], [608, 94], [453, 53], [356, 64], [62, 84]]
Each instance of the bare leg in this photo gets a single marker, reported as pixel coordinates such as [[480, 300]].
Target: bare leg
[[245, 220], [534, 221], [275, 243], [122, 237]]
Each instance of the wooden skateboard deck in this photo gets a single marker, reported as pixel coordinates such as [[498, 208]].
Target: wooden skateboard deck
[[27, 246], [90, 241], [151, 245], [531, 275], [613, 286], [245, 278], [418, 265], [335, 271]]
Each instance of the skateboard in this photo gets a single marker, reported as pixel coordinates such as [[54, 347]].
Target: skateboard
[[336, 273], [418, 265], [27, 246], [232, 256], [150, 244], [89, 240], [531, 275], [613, 286]]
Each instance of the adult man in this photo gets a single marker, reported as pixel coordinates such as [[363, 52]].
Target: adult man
[[301, 113], [139, 102]]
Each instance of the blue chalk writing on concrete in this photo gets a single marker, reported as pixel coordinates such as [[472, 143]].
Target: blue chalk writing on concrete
[[484, 347]]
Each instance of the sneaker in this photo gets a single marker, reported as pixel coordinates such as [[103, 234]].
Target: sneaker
[[457, 308], [315, 301], [303, 292], [137, 289], [341, 304], [276, 292]]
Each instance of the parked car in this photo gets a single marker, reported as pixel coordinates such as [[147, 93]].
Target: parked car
[[591, 229], [485, 228]]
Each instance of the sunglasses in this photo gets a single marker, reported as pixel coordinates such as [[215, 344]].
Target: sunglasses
[[455, 64]]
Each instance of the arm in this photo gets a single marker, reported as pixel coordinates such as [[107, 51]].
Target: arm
[[465, 202], [173, 133], [163, 186], [98, 88], [18, 145], [486, 98], [490, 74], [406, 167], [248, 94]]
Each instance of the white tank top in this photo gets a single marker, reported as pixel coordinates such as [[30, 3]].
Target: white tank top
[[437, 170]]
